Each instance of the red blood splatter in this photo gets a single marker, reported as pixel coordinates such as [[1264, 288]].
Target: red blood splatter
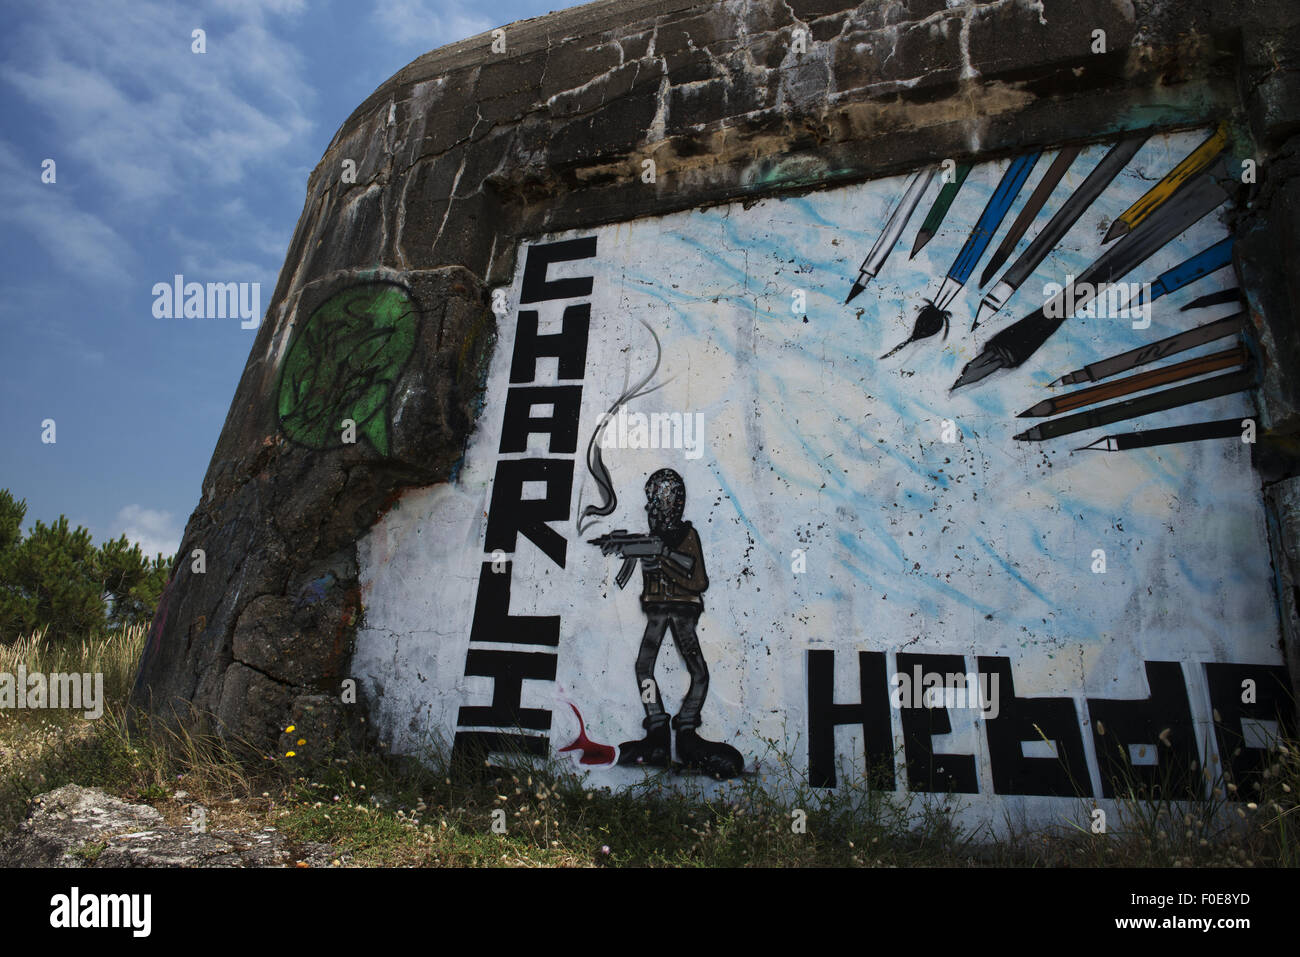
[[592, 753]]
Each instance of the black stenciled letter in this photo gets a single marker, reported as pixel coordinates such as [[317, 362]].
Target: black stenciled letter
[[927, 771], [1019, 721], [561, 426], [872, 713], [510, 514], [569, 345], [1242, 759], [492, 618], [508, 669], [470, 749], [536, 287], [1131, 752]]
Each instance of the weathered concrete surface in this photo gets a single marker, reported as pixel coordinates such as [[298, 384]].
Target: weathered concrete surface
[[257, 637], [466, 150], [75, 826]]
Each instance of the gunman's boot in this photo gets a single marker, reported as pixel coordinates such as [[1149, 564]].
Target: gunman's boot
[[710, 757], [652, 751]]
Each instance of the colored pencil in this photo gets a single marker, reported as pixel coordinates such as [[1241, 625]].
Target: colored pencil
[[1188, 369], [1032, 207], [1193, 163], [1143, 405], [1171, 345], [939, 210], [1193, 268]]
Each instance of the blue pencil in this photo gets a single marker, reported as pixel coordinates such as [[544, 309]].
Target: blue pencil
[[995, 211], [1193, 268]]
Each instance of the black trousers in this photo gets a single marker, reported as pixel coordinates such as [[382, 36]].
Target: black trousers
[[682, 618]]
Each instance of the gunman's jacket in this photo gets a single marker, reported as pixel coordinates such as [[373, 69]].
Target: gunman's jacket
[[669, 582]]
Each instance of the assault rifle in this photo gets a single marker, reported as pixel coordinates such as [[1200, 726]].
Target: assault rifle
[[630, 547]]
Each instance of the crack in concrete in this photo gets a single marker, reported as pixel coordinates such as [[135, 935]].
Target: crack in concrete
[[451, 199]]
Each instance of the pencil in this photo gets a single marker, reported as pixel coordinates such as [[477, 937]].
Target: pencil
[[1193, 163], [1214, 299], [1187, 369], [1193, 268], [995, 210], [1032, 207], [1181, 342], [1078, 202], [1143, 405], [940, 208], [1020, 340]]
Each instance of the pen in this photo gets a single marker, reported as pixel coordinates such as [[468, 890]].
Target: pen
[[1074, 207], [916, 188], [1016, 343], [1189, 368], [1032, 207]]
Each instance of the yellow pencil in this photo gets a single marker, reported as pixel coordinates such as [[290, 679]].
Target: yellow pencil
[[1197, 160]]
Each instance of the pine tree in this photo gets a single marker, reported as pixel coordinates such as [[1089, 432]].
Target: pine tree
[[55, 578]]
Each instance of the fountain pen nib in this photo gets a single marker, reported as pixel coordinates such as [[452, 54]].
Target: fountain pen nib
[[853, 293], [983, 365]]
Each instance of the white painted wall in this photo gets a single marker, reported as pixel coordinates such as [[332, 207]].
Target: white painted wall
[[982, 546]]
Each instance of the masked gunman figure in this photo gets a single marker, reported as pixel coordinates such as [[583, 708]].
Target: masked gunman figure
[[671, 586]]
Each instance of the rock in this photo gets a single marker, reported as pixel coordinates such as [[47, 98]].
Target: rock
[[74, 826]]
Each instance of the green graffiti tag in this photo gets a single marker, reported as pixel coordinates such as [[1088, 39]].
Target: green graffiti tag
[[344, 363]]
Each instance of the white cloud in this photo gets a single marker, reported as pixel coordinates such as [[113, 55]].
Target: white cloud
[[202, 261], [257, 6], [76, 240], [122, 88], [428, 24], [154, 531]]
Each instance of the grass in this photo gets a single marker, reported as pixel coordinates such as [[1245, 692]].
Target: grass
[[115, 655], [376, 810], [89, 853], [1228, 824]]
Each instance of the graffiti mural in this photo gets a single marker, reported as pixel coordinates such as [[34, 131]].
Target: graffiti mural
[[343, 363], [901, 578], [673, 582]]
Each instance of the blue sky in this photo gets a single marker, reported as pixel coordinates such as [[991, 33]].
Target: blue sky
[[167, 162]]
